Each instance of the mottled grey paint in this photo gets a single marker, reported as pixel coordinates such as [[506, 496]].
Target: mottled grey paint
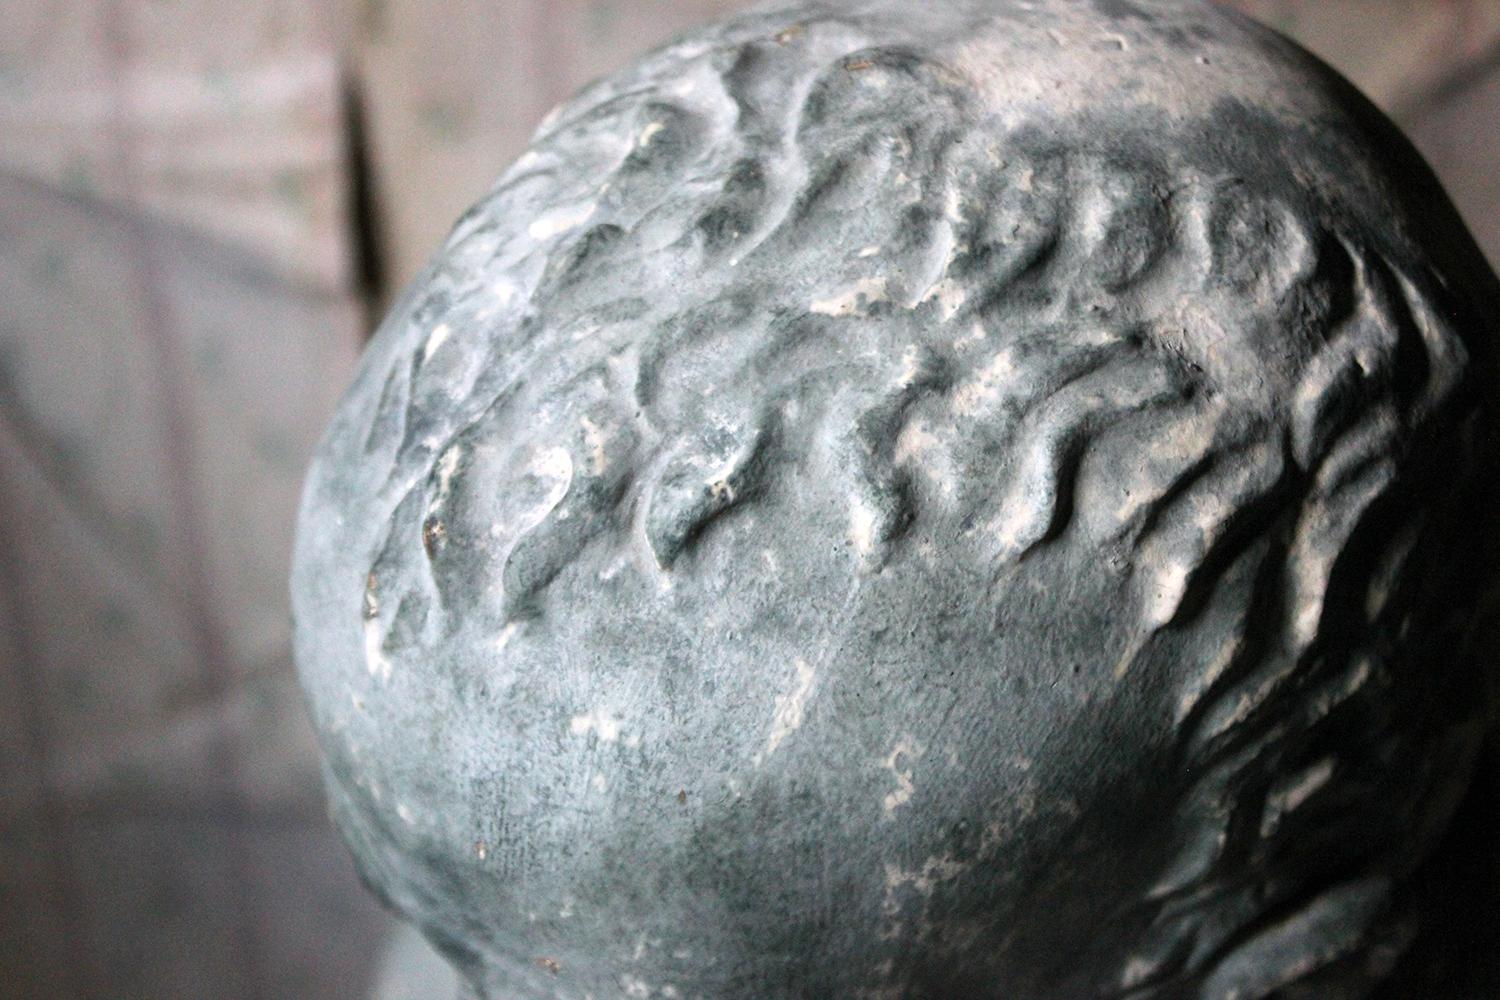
[[970, 499]]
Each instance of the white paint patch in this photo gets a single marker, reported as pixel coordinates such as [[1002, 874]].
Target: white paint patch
[[553, 463], [437, 338], [855, 300], [953, 207], [596, 440], [375, 661], [913, 443], [447, 465], [553, 466], [862, 528], [949, 295], [975, 335], [598, 783], [560, 221], [869, 251], [790, 707], [648, 133], [911, 365], [599, 722], [937, 868], [986, 384], [506, 634], [686, 86], [899, 764], [611, 571]]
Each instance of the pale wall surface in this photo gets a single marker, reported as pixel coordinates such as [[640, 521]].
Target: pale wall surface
[[177, 321], [181, 306]]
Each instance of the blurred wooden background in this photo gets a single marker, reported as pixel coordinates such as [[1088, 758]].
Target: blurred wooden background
[[202, 205]]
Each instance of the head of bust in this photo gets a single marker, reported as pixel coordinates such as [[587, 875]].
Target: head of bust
[[978, 501]]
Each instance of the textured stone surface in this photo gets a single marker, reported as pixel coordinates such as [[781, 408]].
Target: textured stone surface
[[978, 504]]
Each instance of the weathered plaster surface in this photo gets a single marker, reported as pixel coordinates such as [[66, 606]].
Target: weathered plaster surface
[[982, 503]]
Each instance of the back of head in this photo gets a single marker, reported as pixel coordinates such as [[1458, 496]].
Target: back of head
[[979, 500]]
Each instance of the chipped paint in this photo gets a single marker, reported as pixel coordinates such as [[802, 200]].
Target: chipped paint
[[790, 707], [506, 634], [855, 300], [950, 297], [375, 660], [899, 762], [447, 466], [600, 722], [915, 444], [862, 527], [560, 221], [436, 339], [596, 440], [911, 365], [649, 133]]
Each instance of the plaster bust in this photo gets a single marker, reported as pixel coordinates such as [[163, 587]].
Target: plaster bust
[[971, 499]]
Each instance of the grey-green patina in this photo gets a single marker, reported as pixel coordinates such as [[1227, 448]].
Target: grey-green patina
[[960, 499]]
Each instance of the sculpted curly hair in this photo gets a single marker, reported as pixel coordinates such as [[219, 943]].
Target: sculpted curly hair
[[807, 276]]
